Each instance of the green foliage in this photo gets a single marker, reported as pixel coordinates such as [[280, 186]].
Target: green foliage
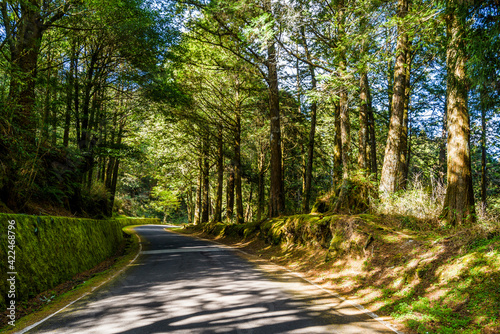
[[165, 201]]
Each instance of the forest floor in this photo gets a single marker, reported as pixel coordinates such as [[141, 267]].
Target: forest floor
[[427, 281]]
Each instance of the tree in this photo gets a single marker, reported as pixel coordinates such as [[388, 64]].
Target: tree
[[389, 178], [458, 207], [25, 23]]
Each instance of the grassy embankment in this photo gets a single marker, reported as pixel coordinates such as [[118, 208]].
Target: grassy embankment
[[430, 279], [54, 255]]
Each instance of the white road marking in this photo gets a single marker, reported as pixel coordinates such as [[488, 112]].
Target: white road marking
[[184, 250]]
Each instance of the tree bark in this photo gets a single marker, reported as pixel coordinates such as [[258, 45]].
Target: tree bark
[[111, 159], [390, 168], [69, 100], [363, 122], [372, 140], [483, 151], [24, 45], [458, 205], [114, 180], [345, 124], [405, 152], [276, 192], [220, 176], [197, 210], [248, 213], [230, 192], [337, 148], [48, 99], [84, 142], [260, 189], [237, 170], [205, 206], [442, 146], [306, 197], [76, 98]]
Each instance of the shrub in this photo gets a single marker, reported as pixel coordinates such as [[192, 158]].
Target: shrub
[[417, 201]]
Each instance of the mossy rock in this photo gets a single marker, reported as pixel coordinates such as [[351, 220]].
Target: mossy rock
[[250, 229], [215, 228], [274, 230], [352, 196]]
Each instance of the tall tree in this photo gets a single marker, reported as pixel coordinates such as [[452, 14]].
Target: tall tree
[[25, 23], [220, 174], [312, 132], [389, 177], [276, 191], [458, 205]]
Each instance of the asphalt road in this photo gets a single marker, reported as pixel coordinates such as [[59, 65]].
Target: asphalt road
[[185, 285]]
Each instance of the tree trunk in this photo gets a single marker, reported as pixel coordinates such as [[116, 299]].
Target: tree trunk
[[111, 159], [483, 151], [230, 192], [190, 205], [372, 140], [306, 197], [458, 205], [276, 192], [248, 213], [24, 50], [48, 99], [237, 170], [76, 98], [363, 122], [345, 134], [345, 124], [260, 189], [197, 210], [85, 131], [114, 180], [337, 148], [404, 152], [390, 168], [69, 96], [205, 206], [220, 176], [442, 146]]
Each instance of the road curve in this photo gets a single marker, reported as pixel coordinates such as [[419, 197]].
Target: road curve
[[184, 285]]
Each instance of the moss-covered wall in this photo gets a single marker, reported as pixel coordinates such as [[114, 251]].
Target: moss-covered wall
[[51, 250], [337, 233], [137, 221]]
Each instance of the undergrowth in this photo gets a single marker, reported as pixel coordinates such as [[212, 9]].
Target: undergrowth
[[416, 201]]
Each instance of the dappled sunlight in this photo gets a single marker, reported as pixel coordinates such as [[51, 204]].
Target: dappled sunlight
[[219, 294], [422, 278]]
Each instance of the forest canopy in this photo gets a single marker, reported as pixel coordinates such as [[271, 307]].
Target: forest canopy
[[235, 111]]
